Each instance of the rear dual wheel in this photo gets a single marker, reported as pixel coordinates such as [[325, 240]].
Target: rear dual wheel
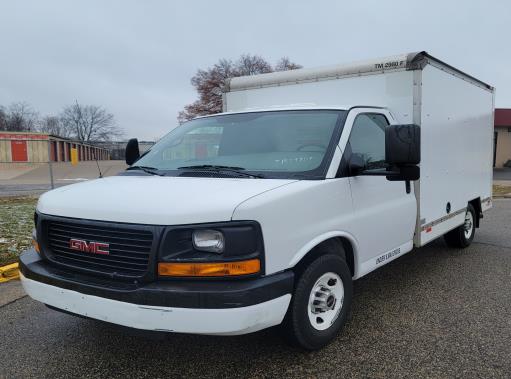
[[463, 235]]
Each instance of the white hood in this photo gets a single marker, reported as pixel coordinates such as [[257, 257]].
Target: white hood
[[154, 199]]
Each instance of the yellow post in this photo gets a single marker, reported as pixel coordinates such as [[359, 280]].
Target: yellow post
[[9, 272], [74, 156]]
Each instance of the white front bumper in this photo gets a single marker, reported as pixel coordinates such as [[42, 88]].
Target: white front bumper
[[230, 321]]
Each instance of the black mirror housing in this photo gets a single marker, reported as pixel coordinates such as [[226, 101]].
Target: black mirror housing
[[403, 152], [132, 151], [402, 145]]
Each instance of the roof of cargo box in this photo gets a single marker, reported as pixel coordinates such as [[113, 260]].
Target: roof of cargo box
[[410, 61]]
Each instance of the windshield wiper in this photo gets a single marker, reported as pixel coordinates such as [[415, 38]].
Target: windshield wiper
[[149, 170], [217, 168]]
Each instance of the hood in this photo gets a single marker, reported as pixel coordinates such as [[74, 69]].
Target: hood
[[153, 199]]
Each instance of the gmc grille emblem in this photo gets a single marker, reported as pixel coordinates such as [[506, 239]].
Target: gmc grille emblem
[[92, 247]]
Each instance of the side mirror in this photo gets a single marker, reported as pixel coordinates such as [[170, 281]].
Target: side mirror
[[403, 145], [403, 152], [132, 151], [356, 164]]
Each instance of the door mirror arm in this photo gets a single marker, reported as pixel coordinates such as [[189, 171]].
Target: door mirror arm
[[379, 172], [356, 165], [402, 173]]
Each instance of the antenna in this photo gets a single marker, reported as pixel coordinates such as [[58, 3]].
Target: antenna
[[97, 163]]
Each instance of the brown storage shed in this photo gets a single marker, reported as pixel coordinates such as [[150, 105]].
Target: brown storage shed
[[30, 147]]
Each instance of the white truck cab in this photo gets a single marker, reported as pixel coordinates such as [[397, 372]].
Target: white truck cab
[[265, 214]]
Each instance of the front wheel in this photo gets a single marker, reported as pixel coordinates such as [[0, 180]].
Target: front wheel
[[321, 303], [463, 235]]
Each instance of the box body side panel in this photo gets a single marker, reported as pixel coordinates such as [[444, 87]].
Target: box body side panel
[[393, 90], [456, 148]]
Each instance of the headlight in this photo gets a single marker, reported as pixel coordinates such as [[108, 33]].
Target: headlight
[[232, 248], [208, 240]]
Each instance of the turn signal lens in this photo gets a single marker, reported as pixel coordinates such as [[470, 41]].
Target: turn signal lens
[[251, 266], [34, 241]]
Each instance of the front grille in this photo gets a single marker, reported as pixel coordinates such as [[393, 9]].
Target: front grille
[[129, 249]]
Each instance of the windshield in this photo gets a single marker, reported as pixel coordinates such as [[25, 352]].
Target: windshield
[[269, 144]]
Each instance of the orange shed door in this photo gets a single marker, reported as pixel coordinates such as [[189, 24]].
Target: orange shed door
[[19, 151]]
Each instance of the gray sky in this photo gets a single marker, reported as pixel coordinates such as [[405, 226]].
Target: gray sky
[[136, 58]]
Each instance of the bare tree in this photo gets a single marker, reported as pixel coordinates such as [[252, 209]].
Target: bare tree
[[90, 123], [21, 117], [285, 64], [54, 125], [209, 83], [252, 65], [3, 118]]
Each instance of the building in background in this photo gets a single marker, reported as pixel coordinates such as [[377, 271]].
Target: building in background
[[502, 138], [29, 147]]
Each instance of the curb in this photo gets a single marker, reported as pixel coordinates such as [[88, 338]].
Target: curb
[[9, 272]]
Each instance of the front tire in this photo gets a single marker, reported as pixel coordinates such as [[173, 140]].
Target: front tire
[[463, 235], [320, 304]]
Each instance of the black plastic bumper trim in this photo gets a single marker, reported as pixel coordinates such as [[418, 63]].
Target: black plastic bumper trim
[[180, 294]]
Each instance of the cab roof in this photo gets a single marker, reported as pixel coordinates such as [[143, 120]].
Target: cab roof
[[303, 107]]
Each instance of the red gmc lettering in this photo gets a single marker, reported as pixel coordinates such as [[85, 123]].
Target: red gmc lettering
[[89, 247]]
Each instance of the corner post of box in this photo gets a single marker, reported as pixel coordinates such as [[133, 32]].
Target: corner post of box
[[416, 119]]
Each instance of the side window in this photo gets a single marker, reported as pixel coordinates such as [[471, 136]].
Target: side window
[[367, 139]]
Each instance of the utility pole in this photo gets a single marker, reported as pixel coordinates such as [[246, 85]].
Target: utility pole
[[50, 163]]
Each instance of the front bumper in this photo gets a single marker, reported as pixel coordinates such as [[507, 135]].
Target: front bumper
[[201, 307]]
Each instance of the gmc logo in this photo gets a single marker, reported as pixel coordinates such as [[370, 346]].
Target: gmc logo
[[89, 247]]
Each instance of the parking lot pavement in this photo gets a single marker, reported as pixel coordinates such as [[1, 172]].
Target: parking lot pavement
[[26, 189], [435, 312], [37, 180]]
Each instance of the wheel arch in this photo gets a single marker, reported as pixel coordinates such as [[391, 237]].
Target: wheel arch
[[328, 241], [476, 203]]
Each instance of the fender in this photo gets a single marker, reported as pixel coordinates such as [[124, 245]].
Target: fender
[[304, 250]]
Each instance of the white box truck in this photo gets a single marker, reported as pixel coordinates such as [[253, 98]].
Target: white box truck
[[265, 214]]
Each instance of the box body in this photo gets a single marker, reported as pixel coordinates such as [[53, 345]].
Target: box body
[[454, 110]]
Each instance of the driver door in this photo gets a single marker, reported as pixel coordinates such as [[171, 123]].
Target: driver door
[[384, 213]]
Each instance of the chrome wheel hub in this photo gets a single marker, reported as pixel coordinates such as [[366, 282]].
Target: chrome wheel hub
[[325, 301]]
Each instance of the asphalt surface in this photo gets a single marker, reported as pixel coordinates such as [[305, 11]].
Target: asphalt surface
[[26, 189], [435, 312], [36, 180]]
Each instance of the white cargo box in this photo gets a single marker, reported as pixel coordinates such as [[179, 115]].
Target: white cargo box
[[454, 110]]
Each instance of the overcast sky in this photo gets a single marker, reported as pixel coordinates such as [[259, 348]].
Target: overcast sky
[[136, 58]]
